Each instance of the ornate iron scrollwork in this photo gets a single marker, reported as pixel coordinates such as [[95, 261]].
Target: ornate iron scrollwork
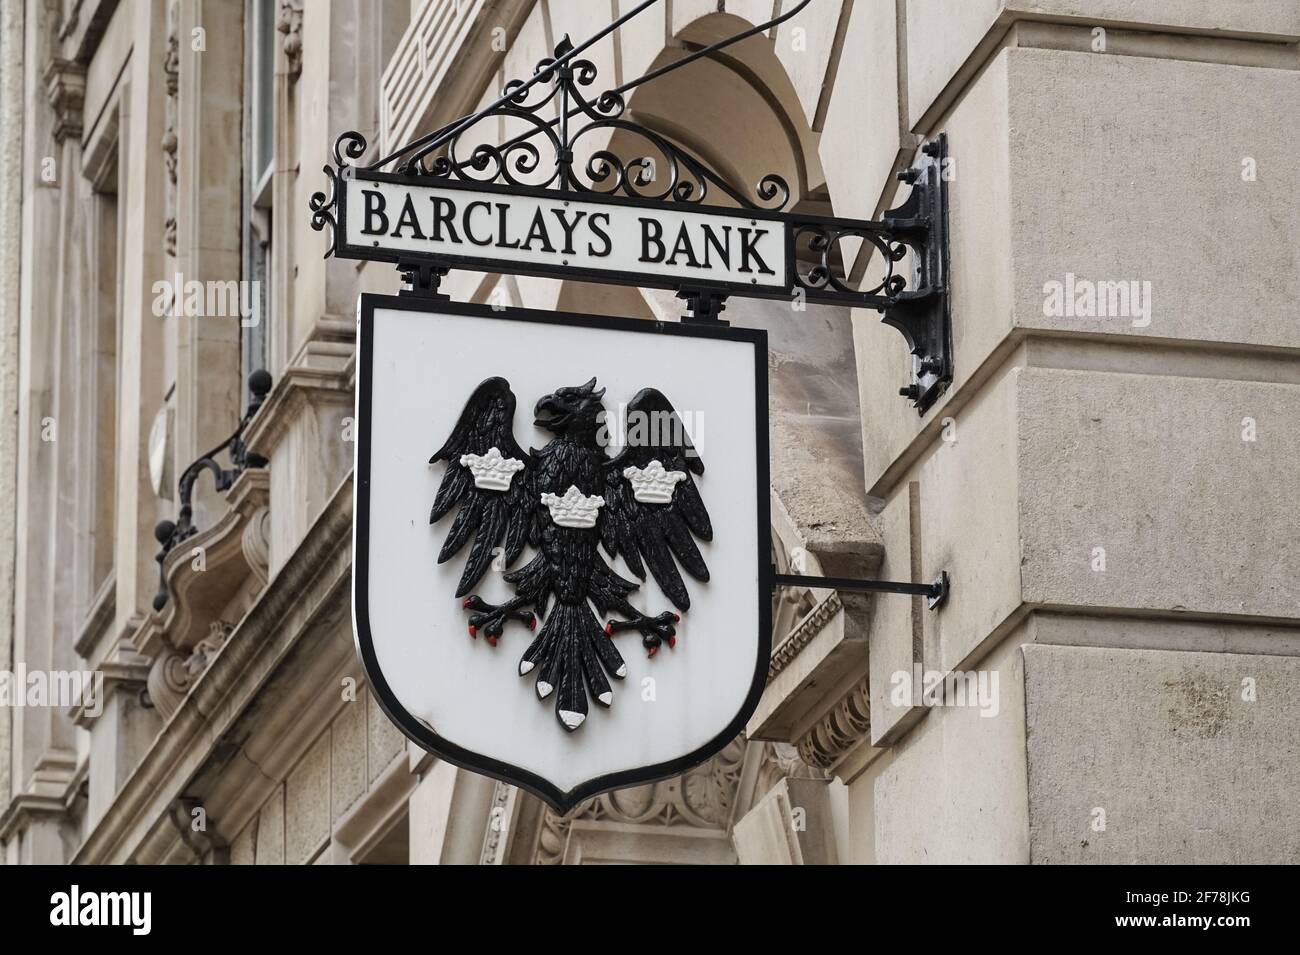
[[673, 175], [543, 161], [171, 533]]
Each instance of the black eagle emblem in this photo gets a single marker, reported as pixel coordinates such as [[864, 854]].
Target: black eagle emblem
[[566, 500]]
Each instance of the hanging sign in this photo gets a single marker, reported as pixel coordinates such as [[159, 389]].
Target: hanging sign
[[562, 558], [562, 569], [647, 220], [525, 230]]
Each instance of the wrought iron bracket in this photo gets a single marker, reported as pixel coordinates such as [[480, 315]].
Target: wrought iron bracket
[[558, 157], [935, 593], [917, 305], [171, 533], [923, 314]]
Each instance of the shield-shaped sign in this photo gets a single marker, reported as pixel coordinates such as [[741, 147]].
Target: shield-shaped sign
[[561, 551]]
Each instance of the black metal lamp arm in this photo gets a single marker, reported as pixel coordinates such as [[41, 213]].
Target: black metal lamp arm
[[170, 533]]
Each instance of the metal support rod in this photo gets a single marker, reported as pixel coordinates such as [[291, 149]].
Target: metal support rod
[[936, 592]]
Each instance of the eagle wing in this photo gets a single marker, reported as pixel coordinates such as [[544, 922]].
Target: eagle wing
[[662, 535], [491, 517]]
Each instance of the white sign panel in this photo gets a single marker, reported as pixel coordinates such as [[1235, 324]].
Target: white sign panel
[[547, 231], [562, 561]]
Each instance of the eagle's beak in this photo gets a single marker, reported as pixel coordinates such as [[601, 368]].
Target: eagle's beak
[[546, 410]]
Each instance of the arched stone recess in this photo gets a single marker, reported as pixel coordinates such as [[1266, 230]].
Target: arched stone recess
[[771, 797]]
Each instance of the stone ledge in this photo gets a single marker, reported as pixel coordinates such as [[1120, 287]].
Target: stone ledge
[[277, 622]]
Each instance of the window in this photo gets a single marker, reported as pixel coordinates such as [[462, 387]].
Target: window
[[259, 164], [100, 367]]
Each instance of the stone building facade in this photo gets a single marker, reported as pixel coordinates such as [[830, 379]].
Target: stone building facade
[[1110, 481]]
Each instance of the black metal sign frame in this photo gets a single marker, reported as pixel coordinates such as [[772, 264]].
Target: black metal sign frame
[[670, 180]]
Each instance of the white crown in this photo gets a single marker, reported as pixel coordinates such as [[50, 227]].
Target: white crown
[[492, 471], [575, 509], [652, 484]]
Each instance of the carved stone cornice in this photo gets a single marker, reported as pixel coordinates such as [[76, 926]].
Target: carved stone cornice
[[289, 23], [65, 87], [319, 375], [842, 729]]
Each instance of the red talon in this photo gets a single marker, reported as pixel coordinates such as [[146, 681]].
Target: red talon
[[532, 623], [473, 631], [652, 651], [676, 619], [492, 641], [465, 603], [609, 629], [672, 641]]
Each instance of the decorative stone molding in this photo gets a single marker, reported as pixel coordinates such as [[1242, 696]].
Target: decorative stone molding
[[780, 761], [212, 567], [500, 812], [701, 799], [256, 544], [216, 574], [197, 832], [789, 604], [304, 431], [168, 682], [65, 86], [171, 77], [173, 673], [842, 729], [28, 809], [811, 625], [289, 23], [197, 663]]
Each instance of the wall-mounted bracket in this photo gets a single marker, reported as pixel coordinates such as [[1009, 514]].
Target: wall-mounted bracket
[[923, 314], [758, 250], [918, 306], [935, 593]]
